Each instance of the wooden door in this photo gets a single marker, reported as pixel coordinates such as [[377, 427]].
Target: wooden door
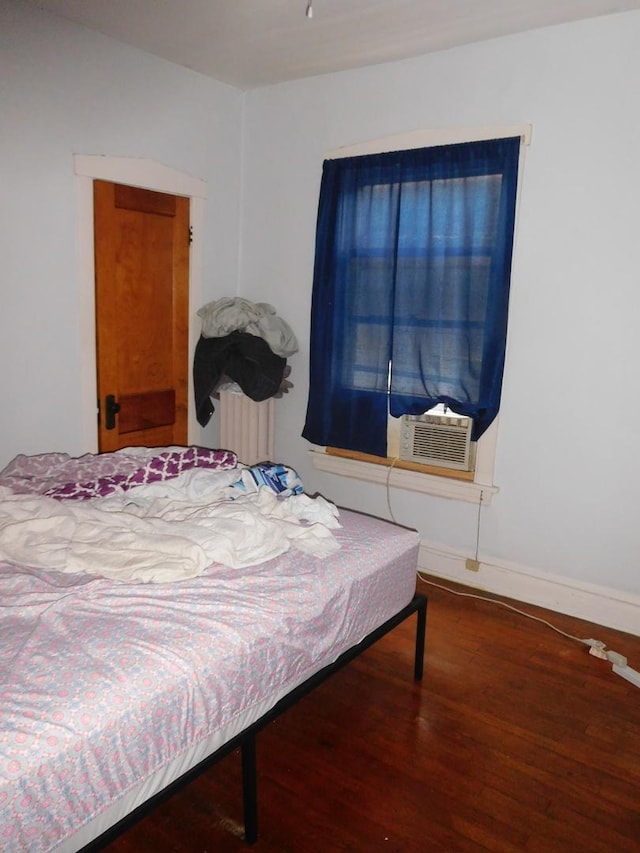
[[142, 316]]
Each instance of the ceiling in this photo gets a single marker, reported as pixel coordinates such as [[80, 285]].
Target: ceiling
[[252, 43]]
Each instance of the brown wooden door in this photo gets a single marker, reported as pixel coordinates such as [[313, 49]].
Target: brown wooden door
[[142, 316]]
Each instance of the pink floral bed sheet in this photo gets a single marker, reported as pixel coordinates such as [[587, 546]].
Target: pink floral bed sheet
[[103, 683]]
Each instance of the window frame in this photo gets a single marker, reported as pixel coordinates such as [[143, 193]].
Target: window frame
[[423, 478]]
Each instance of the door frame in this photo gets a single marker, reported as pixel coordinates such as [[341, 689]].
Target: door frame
[[151, 175]]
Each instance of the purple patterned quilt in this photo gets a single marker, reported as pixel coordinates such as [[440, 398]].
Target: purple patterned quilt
[[60, 476]]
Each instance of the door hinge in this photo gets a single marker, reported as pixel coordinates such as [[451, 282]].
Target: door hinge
[[190, 234]]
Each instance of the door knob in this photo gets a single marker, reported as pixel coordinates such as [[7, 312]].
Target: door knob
[[111, 410]]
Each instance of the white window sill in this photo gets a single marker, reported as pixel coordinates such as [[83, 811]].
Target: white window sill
[[397, 478], [480, 490]]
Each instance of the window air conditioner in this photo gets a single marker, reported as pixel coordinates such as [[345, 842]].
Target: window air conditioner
[[437, 439]]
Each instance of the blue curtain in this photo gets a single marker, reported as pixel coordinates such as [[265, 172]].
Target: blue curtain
[[410, 289]]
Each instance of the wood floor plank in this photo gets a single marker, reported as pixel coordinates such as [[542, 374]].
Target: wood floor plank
[[516, 740]]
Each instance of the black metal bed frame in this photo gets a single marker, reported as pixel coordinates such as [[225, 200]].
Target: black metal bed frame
[[246, 740]]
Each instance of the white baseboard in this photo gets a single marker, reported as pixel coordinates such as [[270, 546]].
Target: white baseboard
[[601, 605]]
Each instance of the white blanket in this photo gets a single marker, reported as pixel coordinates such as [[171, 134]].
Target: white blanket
[[163, 532]]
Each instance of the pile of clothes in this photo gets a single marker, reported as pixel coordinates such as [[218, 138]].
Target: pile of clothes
[[245, 343]]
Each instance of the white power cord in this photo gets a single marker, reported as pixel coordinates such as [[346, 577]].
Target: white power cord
[[393, 462], [596, 647]]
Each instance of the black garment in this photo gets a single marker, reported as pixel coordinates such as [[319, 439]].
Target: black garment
[[245, 359]]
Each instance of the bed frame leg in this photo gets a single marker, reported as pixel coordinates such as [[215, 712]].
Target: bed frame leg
[[421, 630], [249, 788]]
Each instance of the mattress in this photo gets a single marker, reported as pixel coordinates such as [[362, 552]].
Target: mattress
[[112, 689]]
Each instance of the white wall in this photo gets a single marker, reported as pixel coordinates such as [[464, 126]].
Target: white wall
[[568, 509], [65, 90], [563, 528]]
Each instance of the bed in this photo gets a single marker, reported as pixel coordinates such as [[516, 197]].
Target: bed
[[159, 607]]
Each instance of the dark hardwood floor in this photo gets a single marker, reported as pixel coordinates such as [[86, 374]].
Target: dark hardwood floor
[[516, 740]]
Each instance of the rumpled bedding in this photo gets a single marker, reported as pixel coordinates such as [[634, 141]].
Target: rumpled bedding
[[106, 684], [181, 520]]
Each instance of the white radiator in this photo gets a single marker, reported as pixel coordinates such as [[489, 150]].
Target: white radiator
[[247, 427]]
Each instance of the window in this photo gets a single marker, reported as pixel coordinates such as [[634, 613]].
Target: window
[[411, 286]]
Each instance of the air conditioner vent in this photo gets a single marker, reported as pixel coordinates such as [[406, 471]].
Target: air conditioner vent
[[437, 439]]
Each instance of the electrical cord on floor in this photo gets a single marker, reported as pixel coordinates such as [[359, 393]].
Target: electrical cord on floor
[[596, 647], [504, 604]]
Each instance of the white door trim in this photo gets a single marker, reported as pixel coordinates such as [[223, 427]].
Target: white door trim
[[138, 172]]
